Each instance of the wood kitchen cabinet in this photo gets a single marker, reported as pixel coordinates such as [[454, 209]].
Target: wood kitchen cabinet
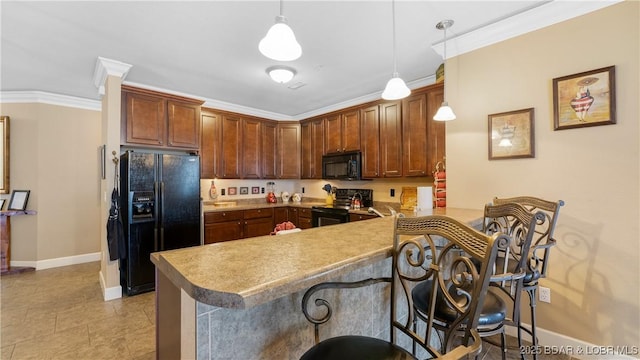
[[414, 135], [370, 130], [390, 139], [280, 215], [269, 152], [359, 217], [288, 144], [423, 138], [436, 130], [237, 224], [222, 226], [312, 148], [304, 218], [342, 131], [257, 222], [251, 146], [231, 145], [211, 144], [153, 119]]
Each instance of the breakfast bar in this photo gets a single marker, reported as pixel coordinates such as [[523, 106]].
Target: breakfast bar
[[242, 299]]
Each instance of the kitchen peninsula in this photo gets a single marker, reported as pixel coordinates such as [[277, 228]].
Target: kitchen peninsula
[[242, 299]]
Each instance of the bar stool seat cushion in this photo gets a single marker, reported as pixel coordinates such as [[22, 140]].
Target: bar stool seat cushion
[[356, 347], [493, 311]]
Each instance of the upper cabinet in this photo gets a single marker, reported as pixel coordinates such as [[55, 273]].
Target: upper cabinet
[[211, 148], [153, 119], [390, 139], [342, 131], [312, 148], [288, 150]]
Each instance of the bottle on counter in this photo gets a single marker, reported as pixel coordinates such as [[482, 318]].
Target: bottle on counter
[[213, 192]]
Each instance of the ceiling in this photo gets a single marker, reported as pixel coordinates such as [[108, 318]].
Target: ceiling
[[209, 49]]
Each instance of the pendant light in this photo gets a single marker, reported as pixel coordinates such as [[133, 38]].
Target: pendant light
[[445, 113], [280, 43], [396, 88]]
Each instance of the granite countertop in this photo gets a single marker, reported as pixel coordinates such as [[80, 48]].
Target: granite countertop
[[207, 206], [245, 273]]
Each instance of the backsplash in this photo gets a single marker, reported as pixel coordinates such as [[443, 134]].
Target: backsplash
[[245, 189]]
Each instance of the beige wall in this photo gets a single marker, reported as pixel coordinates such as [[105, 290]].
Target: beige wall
[[54, 153], [594, 269]]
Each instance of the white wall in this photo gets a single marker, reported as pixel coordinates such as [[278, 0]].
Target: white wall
[[594, 268]]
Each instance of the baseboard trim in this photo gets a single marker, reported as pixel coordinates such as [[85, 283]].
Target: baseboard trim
[[111, 293], [58, 262], [554, 343]]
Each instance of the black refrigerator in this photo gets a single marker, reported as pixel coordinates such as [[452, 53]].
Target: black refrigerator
[[162, 212]]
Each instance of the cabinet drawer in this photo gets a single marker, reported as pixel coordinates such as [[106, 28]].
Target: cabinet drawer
[[214, 217], [304, 213], [358, 217], [258, 213]]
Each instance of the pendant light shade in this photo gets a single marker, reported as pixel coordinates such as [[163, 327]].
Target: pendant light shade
[[280, 43], [396, 88], [445, 112]]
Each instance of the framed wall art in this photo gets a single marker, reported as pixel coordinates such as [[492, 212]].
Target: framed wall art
[[585, 99], [18, 200], [511, 135], [255, 190], [244, 190], [232, 190]]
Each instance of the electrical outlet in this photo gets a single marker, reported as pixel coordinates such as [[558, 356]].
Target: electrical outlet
[[544, 294], [392, 192]]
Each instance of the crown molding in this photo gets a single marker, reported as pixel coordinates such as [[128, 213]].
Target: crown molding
[[106, 67], [548, 14], [42, 97]]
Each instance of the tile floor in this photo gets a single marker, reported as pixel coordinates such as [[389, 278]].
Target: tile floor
[[60, 314]]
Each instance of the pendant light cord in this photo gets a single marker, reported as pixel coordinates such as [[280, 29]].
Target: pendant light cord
[[393, 22]]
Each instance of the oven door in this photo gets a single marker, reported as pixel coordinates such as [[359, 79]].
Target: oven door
[[323, 216]]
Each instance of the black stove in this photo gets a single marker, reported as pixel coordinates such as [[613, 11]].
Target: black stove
[[339, 212]]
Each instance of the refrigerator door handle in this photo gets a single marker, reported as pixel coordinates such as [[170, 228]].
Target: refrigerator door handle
[[160, 219]]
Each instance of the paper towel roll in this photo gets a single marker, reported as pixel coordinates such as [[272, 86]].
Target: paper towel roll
[[425, 198]]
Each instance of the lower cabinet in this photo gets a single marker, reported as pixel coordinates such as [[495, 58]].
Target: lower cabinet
[[257, 222], [304, 218], [239, 224], [222, 226], [358, 217]]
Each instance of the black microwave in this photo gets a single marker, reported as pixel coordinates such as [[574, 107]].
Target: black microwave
[[344, 166]]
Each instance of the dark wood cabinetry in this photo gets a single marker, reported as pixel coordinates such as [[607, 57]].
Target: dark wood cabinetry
[[288, 144], [342, 131], [153, 119], [251, 148], [370, 130], [280, 215], [359, 217], [257, 222], [390, 140], [269, 152], [238, 224], [222, 226], [312, 148], [414, 135], [231, 145], [304, 218], [211, 145], [397, 139]]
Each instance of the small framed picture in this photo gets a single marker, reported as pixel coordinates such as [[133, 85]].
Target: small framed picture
[[585, 99], [232, 190], [1, 204], [255, 190], [18, 200], [511, 135], [244, 190]]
